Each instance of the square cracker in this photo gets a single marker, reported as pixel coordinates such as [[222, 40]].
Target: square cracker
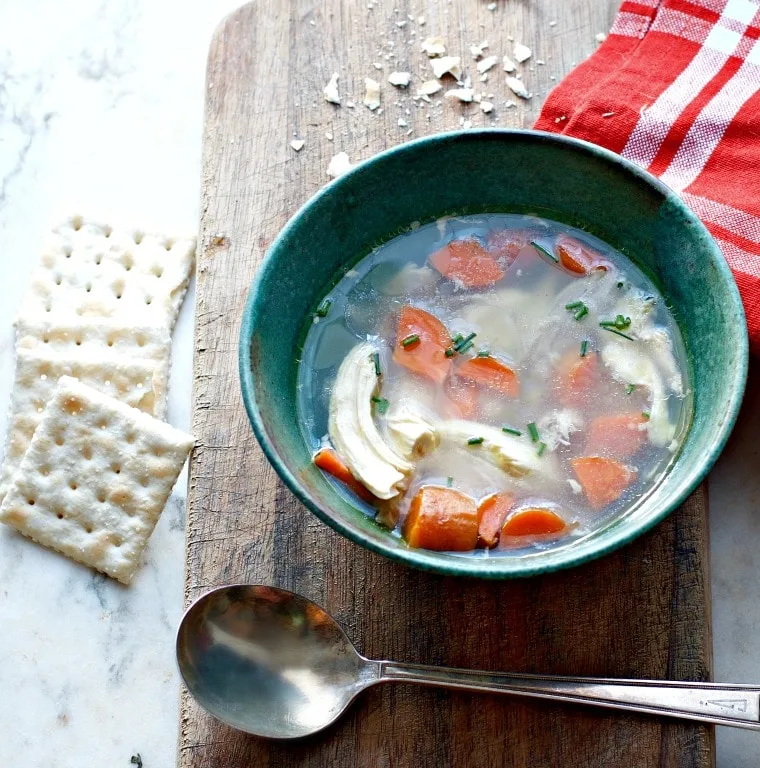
[[89, 269], [131, 381], [95, 479]]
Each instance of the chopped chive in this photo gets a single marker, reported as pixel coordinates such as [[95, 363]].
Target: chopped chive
[[541, 448], [533, 431], [449, 482], [381, 404], [584, 347], [618, 333], [475, 441], [620, 284], [466, 346], [646, 415], [484, 353], [462, 343], [541, 249], [582, 312], [456, 339], [574, 305], [629, 389], [449, 352], [413, 338], [511, 431], [376, 360], [323, 308], [620, 322]]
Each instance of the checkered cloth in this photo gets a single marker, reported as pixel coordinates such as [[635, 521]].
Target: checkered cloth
[[676, 88]]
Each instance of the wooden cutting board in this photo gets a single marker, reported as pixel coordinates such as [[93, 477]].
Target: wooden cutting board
[[642, 612]]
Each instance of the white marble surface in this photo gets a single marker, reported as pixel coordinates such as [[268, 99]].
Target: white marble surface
[[101, 109]]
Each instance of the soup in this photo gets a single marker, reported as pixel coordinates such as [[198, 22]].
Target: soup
[[493, 383]]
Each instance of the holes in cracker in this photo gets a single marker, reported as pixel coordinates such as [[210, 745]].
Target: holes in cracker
[[157, 450], [59, 440], [87, 452], [58, 279], [131, 437], [44, 470], [140, 339], [116, 469], [45, 340], [110, 341], [118, 289], [128, 262], [88, 528], [98, 258], [168, 244], [73, 485], [101, 496], [107, 230], [101, 423], [30, 502], [67, 251], [144, 480], [72, 405], [88, 287], [148, 299], [157, 270], [117, 541], [138, 237], [59, 513], [76, 223]]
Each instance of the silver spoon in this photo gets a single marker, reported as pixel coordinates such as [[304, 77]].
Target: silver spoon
[[274, 664]]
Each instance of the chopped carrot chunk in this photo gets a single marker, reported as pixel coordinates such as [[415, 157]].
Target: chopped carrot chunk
[[493, 512], [534, 521], [468, 262], [576, 378], [603, 480], [507, 243], [619, 435], [442, 519], [463, 397], [428, 356], [491, 373], [577, 257], [329, 461]]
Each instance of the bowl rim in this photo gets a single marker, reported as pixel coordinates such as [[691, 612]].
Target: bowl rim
[[595, 547]]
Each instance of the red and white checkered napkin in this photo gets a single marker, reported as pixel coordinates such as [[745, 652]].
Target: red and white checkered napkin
[[676, 89]]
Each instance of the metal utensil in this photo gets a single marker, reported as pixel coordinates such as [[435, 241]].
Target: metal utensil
[[274, 664]]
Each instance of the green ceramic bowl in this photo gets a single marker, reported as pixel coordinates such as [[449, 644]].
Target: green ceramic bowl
[[471, 172]]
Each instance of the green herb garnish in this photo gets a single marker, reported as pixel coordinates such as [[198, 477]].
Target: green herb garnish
[[584, 347], [381, 404], [413, 338], [574, 305], [465, 343], [136, 759], [582, 312], [620, 322], [475, 441], [449, 482], [541, 448], [511, 431], [449, 352], [484, 353], [629, 389], [456, 339], [533, 431], [618, 333], [375, 357], [646, 415], [323, 308], [541, 249]]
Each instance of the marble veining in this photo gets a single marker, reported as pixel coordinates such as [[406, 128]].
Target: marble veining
[[101, 103]]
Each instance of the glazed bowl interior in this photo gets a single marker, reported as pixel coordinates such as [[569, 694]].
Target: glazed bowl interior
[[473, 172]]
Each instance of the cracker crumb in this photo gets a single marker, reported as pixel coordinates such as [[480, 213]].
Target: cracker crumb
[[600, 37], [467, 124], [486, 106], [331, 90], [484, 77], [338, 165], [421, 21], [521, 53], [491, 6], [477, 50], [607, 114], [518, 88], [329, 136], [552, 23], [400, 79], [376, 65], [433, 46], [447, 65], [371, 93], [509, 65], [350, 104], [401, 24], [509, 103], [402, 123], [298, 144], [461, 94], [540, 62], [428, 88]]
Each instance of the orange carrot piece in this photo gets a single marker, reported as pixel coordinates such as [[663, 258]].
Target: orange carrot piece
[[507, 243], [603, 480], [428, 356], [493, 512], [468, 262], [619, 435], [329, 461], [491, 373], [442, 519], [577, 257], [463, 397], [534, 521], [576, 378]]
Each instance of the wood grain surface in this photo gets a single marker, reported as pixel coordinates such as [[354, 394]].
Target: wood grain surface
[[642, 612]]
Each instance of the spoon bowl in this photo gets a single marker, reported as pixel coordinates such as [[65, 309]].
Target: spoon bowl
[[274, 664], [269, 662]]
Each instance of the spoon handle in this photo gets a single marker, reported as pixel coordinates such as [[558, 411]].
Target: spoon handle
[[719, 703]]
